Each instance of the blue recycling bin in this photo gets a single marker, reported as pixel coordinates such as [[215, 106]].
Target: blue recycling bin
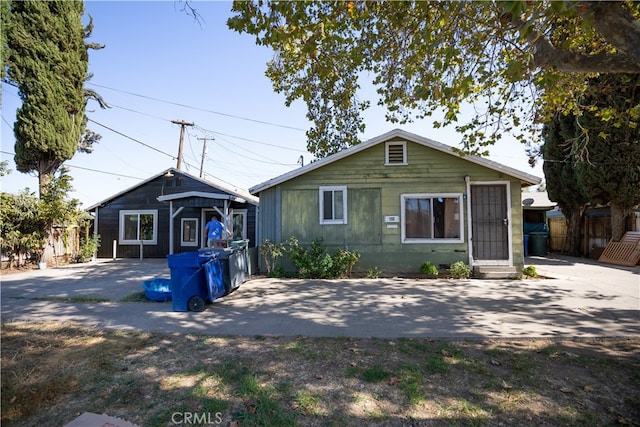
[[526, 245], [196, 278]]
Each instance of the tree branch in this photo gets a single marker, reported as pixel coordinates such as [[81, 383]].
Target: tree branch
[[548, 56], [613, 21]]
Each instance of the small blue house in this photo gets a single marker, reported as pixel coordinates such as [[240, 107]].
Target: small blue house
[[166, 214]]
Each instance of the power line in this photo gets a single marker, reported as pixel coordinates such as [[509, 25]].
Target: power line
[[87, 169], [251, 140], [198, 108], [133, 139]]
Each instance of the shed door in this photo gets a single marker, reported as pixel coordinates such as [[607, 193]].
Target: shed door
[[489, 222]]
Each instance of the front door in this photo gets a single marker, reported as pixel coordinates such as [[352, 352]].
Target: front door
[[490, 226]]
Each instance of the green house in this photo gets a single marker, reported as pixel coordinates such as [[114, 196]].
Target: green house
[[399, 200]]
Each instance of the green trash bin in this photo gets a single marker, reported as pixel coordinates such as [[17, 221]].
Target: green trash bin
[[538, 243]]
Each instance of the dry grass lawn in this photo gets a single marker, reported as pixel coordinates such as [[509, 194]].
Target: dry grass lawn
[[52, 373]]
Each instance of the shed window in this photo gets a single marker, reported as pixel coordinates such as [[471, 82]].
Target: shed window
[[431, 218], [333, 205], [239, 224], [395, 153], [136, 226], [189, 232]]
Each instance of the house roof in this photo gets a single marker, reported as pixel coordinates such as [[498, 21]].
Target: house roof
[[525, 178], [236, 194], [202, 195]]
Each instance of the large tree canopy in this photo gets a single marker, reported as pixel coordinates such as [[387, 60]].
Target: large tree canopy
[[47, 59], [515, 61]]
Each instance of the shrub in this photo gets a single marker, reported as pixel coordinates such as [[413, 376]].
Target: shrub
[[460, 270], [373, 273], [429, 269], [343, 262], [271, 252], [530, 271], [316, 263], [88, 247]]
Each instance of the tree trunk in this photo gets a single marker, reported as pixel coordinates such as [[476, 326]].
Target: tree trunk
[[617, 222], [575, 220]]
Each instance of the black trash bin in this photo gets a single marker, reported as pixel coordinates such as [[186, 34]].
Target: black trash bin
[[196, 278], [538, 243], [234, 266]]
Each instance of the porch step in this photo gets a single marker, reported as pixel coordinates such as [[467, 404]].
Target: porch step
[[495, 272]]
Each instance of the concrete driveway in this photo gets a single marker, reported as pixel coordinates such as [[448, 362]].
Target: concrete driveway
[[580, 299]]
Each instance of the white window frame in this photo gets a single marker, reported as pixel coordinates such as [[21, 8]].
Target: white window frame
[[333, 188], [123, 213], [403, 198], [242, 212], [404, 153], [183, 242]]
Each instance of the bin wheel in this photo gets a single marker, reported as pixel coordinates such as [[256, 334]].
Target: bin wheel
[[195, 304]]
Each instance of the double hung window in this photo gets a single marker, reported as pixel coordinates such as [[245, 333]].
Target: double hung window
[[333, 205], [189, 232]]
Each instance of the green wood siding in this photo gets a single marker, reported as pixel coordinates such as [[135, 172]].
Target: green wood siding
[[374, 191]]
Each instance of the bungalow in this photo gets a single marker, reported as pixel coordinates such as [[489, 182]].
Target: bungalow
[[399, 200], [166, 214]]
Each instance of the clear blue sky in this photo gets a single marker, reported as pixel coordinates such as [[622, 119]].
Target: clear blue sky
[[160, 65]]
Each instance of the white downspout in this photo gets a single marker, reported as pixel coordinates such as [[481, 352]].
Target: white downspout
[[95, 232], [467, 181]]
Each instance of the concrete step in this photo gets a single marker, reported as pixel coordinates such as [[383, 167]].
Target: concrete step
[[495, 272]]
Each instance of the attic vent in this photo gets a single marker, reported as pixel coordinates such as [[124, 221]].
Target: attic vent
[[396, 153]]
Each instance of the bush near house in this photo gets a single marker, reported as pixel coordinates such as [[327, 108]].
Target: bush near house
[[311, 263], [316, 263], [429, 269], [460, 270]]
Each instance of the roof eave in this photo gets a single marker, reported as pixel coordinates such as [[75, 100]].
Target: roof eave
[[525, 178]]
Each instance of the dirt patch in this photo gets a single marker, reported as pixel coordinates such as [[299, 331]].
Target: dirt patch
[[52, 373]]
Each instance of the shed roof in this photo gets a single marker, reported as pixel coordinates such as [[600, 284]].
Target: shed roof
[[525, 178], [237, 194], [537, 200]]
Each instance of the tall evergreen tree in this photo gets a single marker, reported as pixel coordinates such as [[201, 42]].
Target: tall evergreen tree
[[610, 162], [591, 158], [562, 181], [47, 58]]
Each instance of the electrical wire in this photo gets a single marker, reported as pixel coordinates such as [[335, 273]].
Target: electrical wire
[[87, 169], [250, 140], [133, 139], [198, 108]]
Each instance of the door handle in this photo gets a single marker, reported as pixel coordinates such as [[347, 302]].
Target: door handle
[[505, 221]]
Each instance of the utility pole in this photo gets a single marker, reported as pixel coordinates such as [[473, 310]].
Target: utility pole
[[182, 124], [204, 153]]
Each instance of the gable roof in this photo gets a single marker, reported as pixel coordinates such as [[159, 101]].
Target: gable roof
[[525, 178], [244, 196]]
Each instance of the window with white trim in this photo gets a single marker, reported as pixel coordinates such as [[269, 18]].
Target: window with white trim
[[239, 224], [136, 226], [395, 153], [189, 232], [431, 218], [333, 205]]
